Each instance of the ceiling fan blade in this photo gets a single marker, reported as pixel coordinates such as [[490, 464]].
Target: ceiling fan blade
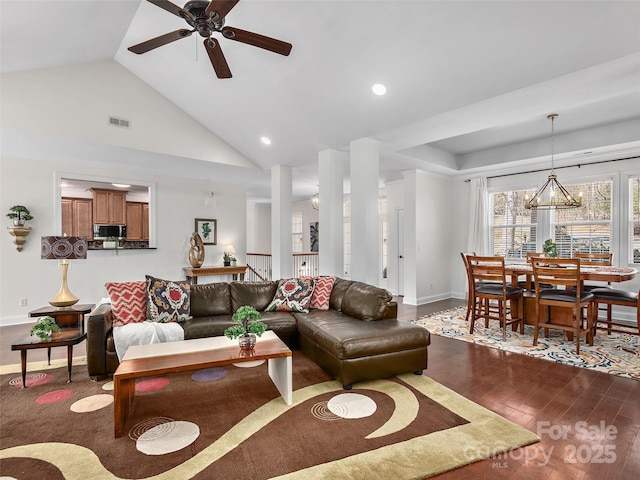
[[257, 40], [216, 56], [144, 47], [171, 8], [221, 7]]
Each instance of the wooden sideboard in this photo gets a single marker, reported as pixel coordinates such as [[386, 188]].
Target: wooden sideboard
[[192, 274]]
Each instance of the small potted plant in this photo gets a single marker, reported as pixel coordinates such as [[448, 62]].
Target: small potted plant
[[19, 214], [233, 261], [550, 249], [249, 326], [226, 258], [43, 327], [110, 242]]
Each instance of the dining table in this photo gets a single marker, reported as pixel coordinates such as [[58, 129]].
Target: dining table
[[596, 273], [600, 273]]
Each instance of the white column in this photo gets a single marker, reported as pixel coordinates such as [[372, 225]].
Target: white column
[[410, 239], [281, 199], [331, 169], [365, 220]]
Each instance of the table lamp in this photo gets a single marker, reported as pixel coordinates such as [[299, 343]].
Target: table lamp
[[63, 248]]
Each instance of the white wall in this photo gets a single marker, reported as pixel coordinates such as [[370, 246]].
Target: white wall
[[76, 101], [30, 182], [258, 228]]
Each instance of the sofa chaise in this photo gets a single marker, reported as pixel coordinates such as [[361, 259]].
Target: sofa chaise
[[358, 338]]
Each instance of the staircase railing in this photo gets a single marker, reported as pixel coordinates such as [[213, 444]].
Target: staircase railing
[[259, 265]]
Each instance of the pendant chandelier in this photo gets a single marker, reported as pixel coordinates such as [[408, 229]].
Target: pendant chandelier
[[558, 196]]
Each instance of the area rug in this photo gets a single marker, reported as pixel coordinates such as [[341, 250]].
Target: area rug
[[230, 422], [616, 354]]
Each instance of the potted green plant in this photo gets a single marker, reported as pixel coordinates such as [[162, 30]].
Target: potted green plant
[[44, 326], [226, 258], [249, 326], [110, 242], [19, 214], [550, 249]]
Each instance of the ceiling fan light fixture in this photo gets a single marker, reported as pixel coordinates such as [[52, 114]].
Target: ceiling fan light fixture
[[206, 18], [559, 197]]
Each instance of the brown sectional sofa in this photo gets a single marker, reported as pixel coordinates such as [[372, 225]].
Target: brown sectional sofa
[[359, 338]]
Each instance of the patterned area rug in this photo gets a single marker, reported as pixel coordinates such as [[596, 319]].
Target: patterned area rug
[[616, 354], [231, 423]]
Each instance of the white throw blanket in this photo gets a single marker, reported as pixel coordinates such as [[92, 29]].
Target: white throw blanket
[[144, 333]]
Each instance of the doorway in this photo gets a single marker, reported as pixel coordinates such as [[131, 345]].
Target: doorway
[[400, 223]]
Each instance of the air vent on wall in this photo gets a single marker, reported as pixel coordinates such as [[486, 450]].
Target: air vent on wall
[[118, 122]]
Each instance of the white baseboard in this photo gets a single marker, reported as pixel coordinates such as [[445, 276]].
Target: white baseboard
[[15, 320]]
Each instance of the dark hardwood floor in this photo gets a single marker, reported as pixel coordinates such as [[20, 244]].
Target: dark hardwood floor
[[589, 422]]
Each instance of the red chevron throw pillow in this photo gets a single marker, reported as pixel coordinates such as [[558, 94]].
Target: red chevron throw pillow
[[128, 301], [322, 292]]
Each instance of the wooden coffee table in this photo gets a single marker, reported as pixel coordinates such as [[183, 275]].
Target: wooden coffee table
[[162, 358]]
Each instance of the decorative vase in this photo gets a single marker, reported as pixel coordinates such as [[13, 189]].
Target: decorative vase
[[247, 341], [18, 222], [196, 252]]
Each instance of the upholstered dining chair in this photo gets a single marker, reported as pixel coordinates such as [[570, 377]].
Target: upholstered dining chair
[[622, 298], [491, 287], [562, 272]]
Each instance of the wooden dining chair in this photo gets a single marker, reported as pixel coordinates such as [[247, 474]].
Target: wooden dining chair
[[491, 287], [595, 260], [562, 272], [470, 284], [527, 284], [621, 298]]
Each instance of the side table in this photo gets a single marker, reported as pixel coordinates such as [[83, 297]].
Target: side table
[[72, 331]]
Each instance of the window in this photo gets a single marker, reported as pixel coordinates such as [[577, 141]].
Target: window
[[513, 228], [296, 230], [586, 229], [634, 219]]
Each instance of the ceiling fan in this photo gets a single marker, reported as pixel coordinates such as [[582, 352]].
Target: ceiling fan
[[207, 18]]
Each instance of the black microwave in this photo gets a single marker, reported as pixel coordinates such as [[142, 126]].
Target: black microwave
[[102, 232]]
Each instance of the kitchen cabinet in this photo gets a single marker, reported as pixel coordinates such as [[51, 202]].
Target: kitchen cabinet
[[137, 221], [109, 207], [77, 217]]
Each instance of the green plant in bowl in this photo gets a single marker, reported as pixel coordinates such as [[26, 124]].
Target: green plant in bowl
[[44, 326], [248, 319]]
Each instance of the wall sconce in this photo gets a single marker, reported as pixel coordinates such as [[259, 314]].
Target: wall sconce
[[19, 235]]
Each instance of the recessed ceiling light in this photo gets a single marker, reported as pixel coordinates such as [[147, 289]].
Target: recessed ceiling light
[[265, 140], [379, 89]]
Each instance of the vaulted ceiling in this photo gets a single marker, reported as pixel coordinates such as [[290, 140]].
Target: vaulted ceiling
[[469, 83]]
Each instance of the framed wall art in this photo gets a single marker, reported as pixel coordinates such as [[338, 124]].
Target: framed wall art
[[207, 228]]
